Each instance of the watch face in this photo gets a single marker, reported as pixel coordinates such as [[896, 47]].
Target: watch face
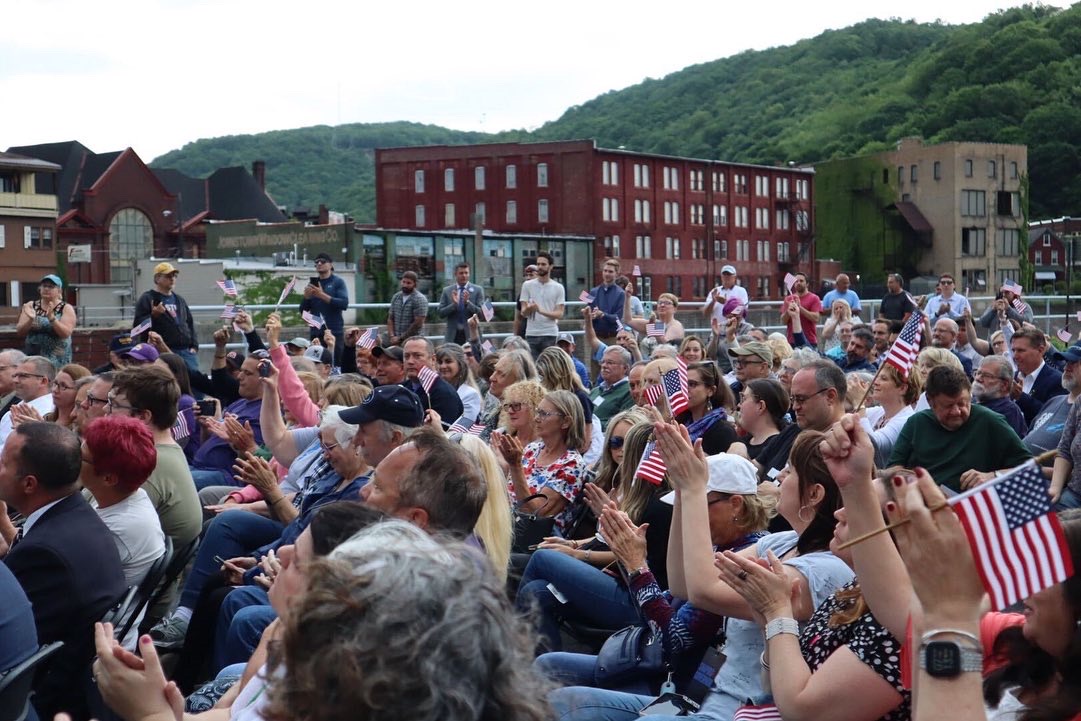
[[942, 659]]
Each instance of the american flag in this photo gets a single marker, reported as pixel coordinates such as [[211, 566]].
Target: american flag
[[789, 281], [487, 310], [180, 429], [1019, 305], [227, 286], [585, 297], [229, 311], [1064, 335], [1016, 540], [673, 386], [315, 321], [369, 338], [765, 712], [651, 468], [458, 426], [427, 378], [287, 289], [655, 330], [487, 347], [637, 272], [1012, 286], [902, 354], [142, 327]]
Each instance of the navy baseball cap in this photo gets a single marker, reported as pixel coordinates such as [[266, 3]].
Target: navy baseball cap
[[1070, 355], [121, 342], [394, 352], [391, 403]]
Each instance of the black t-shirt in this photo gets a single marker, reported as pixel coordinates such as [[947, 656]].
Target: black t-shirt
[[774, 456], [894, 306]]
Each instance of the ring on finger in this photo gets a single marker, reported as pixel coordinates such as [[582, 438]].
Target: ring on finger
[[742, 575]]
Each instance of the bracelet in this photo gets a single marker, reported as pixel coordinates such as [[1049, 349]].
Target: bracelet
[[574, 544], [781, 625], [275, 502], [762, 660], [588, 552], [219, 357]]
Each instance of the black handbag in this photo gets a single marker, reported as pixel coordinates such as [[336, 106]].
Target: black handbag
[[630, 654], [529, 528]]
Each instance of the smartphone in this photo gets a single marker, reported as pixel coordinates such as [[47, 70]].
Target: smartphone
[[207, 407], [314, 280], [219, 560], [264, 368]]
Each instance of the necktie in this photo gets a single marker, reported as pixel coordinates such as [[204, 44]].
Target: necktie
[[461, 300], [18, 537]]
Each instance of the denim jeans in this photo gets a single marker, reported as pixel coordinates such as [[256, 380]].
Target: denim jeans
[[243, 617], [206, 477], [578, 669], [1067, 500], [231, 534], [576, 703], [593, 597], [537, 343]]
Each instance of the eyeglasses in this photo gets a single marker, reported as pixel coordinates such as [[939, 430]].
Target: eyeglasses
[[20, 376], [111, 405], [664, 302], [92, 399], [512, 407], [720, 497], [328, 448], [946, 282], [694, 384], [62, 387], [548, 414], [615, 442], [321, 261], [984, 375], [800, 400], [4, 368], [742, 363]]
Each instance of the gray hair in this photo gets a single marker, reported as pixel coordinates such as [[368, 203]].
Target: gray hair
[[42, 366], [301, 364], [85, 381], [14, 357], [804, 356], [514, 342], [1004, 368], [450, 613], [343, 432], [625, 356], [522, 363], [828, 375], [662, 350], [949, 323]]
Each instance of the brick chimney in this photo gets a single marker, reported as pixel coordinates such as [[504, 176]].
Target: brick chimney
[[258, 171]]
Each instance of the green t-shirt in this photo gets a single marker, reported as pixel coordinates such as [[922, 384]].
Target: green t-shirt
[[607, 403], [172, 491], [986, 443]]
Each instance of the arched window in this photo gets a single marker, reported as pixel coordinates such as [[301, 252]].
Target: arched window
[[130, 236]]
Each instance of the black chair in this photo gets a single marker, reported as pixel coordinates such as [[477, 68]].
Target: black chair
[[16, 684], [115, 614], [179, 561], [147, 588]]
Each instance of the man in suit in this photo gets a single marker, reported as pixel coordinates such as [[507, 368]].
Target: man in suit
[[1038, 381], [442, 397], [459, 303], [63, 556]]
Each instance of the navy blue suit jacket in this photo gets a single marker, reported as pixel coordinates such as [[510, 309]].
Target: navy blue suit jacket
[[70, 569], [1048, 385]]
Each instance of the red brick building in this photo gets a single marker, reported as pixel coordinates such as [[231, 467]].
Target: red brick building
[[679, 219]]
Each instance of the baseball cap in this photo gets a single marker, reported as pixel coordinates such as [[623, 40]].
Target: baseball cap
[[728, 269], [301, 343], [392, 403], [319, 354], [165, 269], [732, 305], [1070, 355], [393, 351], [142, 353], [565, 338], [324, 256], [54, 279], [754, 347], [728, 473], [234, 359], [121, 342]]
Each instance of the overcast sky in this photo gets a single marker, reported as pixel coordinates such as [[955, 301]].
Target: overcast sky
[[156, 74]]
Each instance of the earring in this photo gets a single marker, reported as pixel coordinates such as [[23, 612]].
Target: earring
[[800, 514]]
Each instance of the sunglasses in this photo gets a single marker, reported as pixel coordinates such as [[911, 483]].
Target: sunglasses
[[615, 442]]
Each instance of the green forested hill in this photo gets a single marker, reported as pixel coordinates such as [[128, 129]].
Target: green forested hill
[[1015, 77]]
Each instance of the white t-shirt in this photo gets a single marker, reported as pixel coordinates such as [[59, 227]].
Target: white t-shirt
[[42, 404], [737, 291], [547, 296], [137, 533]]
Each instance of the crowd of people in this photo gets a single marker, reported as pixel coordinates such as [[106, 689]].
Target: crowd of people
[[356, 505]]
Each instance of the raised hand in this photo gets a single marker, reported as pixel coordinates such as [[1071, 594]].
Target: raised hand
[[848, 452], [625, 539], [687, 467]]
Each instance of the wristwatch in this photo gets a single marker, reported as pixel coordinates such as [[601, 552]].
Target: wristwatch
[[950, 658], [781, 625]]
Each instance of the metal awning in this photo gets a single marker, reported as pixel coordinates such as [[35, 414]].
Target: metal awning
[[913, 216], [1045, 275]]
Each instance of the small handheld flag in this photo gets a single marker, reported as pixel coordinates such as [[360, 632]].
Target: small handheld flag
[[487, 347], [637, 272], [789, 281], [487, 310], [287, 290], [1064, 335], [142, 327], [902, 354], [655, 330], [1012, 286], [368, 339], [227, 286], [585, 297], [229, 311], [652, 467], [427, 378], [315, 321]]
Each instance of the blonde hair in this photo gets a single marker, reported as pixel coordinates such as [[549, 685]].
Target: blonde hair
[[529, 392], [607, 470], [495, 527], [935, 357], [846, 310], [571, 409], [782, 349], [634, 494], [313, 385], [556, 370], [671, 297]]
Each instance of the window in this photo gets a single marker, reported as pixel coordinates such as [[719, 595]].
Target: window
[[610, 210], [912, 173], [1013, 169], [803, 221], [512, 212], [937, 172], [674, 285], [720, 249], [641, 175], [1047, 240], [968, 168], [974, 203], [542, 175], [448, 179], [418, 181], [974, 241], [480, 214], [901, 174], [671, 212], [699, 287], [418, 218], [670, 178], [781, 188], [718, 182], [885, 176], [448, 215], [512, 176], [609, 172], [782, 220], [696, 180], [542, 211], [697, 214], [1054, 257], [611, 246], [478, 177], [720, 215], [763, 286], [671, 248], [761, 218], [38, 238], [741, 216], [803, 189], [992, 169], [740, 183], [761, 185], [642, 246], [1008, 241], [763, 250], [131, 236], [1008, 274], [1007, 203], [743, 250], [9, 183], [698, 249], [784, 254]]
